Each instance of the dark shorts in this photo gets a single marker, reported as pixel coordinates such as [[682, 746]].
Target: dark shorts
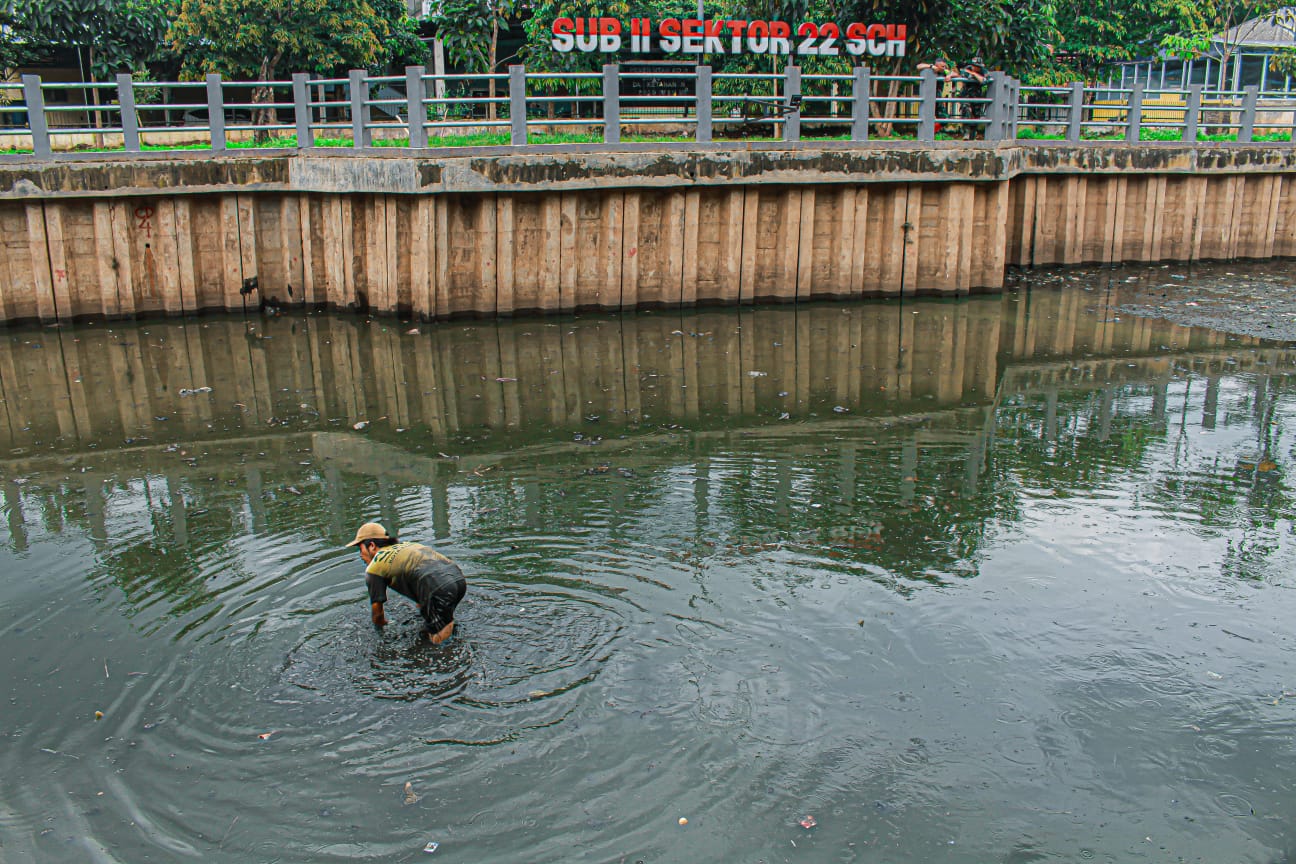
[[439, 607]]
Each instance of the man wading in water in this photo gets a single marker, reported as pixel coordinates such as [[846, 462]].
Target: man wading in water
[[422, 574]]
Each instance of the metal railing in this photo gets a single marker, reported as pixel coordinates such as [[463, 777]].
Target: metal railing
[[418, 110]]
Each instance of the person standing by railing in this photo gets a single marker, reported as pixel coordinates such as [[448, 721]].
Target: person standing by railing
[[974, 75], [948, 88]]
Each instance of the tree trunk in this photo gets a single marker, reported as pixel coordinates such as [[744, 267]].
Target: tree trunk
[[94, 98], [263, 95], [490, 109], [891, 108]]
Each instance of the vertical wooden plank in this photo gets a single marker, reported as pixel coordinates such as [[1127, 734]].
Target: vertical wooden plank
[[1074, 215], [913, 196], [843, 252], [441, 264], [231, 253], [290, 239], [38, 250], [304, 267], [965, 208], [692, 205], [350, 264], [247, 238], [183, 233], [1271, 217], [1194, 208], [550, 277], [802, 270], [1157, 221], [56, 249], [424, 265], [750, 241], [995, 261], [504, 251], [568, 252], [629, 251], [611, 253], [122, 214], [1114, 239], [788, 246], [392, 254], [166, 256], [863, 261]]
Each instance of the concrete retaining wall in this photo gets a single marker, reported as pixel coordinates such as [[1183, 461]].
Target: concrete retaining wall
[[487, 233]]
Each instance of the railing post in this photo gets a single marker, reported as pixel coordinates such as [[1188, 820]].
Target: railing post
[[36, 122], [792, 92], [1014, 108], [1075, 112], [997, 116], [517, 106], [301, 109], [1247, 133], [359, 109], [216, 112], [129, 119], [1192, 113], [1134, 120], [927, 107], [702, 104], [415, 110], [860, 104], [611, 105]]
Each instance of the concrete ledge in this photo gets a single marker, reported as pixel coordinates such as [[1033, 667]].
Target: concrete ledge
[[598, 166]]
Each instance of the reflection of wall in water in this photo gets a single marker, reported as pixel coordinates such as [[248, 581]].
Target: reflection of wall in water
[[108, 385]]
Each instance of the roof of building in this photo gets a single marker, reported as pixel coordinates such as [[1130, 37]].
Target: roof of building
[[1275, 30]]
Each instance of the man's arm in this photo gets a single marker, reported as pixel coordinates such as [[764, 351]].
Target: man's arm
[[377, 597]]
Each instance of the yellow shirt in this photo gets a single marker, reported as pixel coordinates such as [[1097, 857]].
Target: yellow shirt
[[413, 569]]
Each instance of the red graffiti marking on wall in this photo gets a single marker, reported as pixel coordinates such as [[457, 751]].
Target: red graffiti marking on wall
[[145, 215], [60, 275]]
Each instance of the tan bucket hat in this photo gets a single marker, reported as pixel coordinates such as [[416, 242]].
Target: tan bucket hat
[[369, 531]]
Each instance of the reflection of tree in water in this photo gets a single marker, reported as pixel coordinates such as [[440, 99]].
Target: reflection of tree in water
[[906, 501], [1107, 437]]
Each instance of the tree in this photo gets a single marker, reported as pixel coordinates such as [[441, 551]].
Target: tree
[[257, 39], [469, 30], [1213, 24], [117, 35], [1097, 33]]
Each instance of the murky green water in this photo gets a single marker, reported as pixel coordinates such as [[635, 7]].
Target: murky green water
[[1008, 579]]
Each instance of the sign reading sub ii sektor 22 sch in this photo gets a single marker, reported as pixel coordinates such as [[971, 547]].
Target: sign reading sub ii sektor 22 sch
[[721, 36]]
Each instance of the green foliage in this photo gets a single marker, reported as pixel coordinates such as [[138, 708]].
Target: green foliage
[[119, 35], [1096, 33], [257, 39], [1213, 18], [464, 28], [402, 47], [1283, 61]]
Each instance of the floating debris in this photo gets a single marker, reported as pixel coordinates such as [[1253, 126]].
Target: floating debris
[[807, 822], [683, 821], [98, 715], [362, 424], [505, 380], [411, 797], [185, 391], [265, 736], [754, 374], [431, 846]]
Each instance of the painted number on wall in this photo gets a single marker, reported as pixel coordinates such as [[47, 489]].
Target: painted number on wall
[[144, 220]]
